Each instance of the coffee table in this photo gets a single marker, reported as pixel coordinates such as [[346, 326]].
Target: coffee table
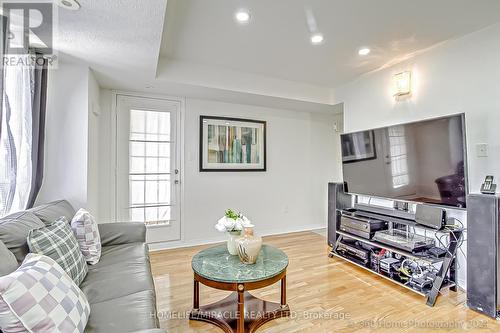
[[240, 312]]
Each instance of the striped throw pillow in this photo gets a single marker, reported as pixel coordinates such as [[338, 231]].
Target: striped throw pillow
[[39, 297], [86, 232], [58, 242]]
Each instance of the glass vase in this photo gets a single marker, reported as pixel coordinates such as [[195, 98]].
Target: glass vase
[[231, 242], [249, 246]]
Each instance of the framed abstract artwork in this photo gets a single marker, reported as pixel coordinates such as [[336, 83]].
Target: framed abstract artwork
[[232, 144]]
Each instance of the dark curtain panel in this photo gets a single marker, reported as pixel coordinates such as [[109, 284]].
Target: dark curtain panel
[[39, 98], [3, 46]]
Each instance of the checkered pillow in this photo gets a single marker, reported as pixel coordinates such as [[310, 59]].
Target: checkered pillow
[[58, 242], [87, 234], [40, 297]]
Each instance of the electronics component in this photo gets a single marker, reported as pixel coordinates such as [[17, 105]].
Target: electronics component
[[360, 149], [483, 254], [375, 260], [437, 252], [410, 242], [389, 265], [337, 199], [375, 263], [488, 187], [432, 217], [359, 225], [421, 283], [352, 251], [419, 277]]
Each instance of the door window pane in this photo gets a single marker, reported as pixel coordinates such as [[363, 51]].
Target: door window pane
[[150, 167]]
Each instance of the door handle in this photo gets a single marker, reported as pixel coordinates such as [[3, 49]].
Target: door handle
[[176, 182]]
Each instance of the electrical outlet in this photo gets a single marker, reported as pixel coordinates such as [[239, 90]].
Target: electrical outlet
[[482, 150]]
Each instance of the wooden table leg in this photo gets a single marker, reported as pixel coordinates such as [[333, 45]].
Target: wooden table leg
[[241, 310], [196, 295], [283, 291]]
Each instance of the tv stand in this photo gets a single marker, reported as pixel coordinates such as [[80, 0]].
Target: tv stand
[[419, 271]]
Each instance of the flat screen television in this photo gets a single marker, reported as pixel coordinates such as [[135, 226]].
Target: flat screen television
[[423, 162]]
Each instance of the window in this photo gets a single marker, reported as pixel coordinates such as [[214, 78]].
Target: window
[[399, 157], [149, 167]]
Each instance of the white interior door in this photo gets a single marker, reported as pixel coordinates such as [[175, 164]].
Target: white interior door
[[148, 165]]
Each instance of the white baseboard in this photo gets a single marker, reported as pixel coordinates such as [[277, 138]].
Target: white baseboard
[[196, 242]]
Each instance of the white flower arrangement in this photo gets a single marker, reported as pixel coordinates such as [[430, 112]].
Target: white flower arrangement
[[232, 222]]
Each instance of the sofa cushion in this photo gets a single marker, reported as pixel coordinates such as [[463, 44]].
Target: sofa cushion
[[14, 229], [130, 313], [50, 212], [58, 242], [122, 253], [86, 232], [104, 282], [8, 261], [122, 233], [40, 297]]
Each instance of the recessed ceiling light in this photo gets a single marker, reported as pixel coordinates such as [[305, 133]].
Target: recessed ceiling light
[[317, 39], [364, 51], [242, 16], [68, 4]]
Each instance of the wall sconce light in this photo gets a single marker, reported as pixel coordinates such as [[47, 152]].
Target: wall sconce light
[[402, 84]]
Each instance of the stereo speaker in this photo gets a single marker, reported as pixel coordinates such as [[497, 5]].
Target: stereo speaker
[[483, 283], [433, 217], [337, 199]]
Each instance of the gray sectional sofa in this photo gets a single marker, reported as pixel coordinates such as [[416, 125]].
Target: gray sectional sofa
[[119, 288]]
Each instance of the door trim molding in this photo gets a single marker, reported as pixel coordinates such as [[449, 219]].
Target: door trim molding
[[114, 131]]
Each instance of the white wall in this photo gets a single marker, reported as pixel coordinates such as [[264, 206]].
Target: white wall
[[66, 136], [302, 157], [458, 76], [72, 137], [291, 195], [93, 144], [252, 84], [105, 169]]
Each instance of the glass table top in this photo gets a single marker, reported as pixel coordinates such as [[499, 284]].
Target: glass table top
[[216, 264]]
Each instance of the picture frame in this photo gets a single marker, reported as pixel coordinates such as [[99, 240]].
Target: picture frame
[[359, 146], [232, 144]]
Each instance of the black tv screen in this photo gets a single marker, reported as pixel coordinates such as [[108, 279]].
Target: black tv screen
[[421, 162]]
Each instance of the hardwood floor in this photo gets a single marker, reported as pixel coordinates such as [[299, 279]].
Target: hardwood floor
[[324, 294]]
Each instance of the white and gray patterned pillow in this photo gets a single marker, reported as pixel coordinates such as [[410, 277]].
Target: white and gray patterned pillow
[[58, 242], [86, 232], [40, 297]]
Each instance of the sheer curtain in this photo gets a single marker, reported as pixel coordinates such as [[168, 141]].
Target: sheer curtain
[[21, 136]]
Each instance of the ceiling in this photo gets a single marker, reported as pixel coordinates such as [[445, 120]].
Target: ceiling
[[116, 37], [195, 48], [276, 42]]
